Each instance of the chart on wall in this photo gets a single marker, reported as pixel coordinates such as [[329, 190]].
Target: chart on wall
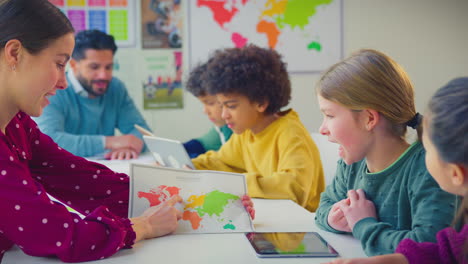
[[307, 33], [161, 24], [115, 17], [161, 79]]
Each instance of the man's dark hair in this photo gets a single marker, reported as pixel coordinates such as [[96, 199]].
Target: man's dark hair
[[257, 73], [36, 23], [92, 39]]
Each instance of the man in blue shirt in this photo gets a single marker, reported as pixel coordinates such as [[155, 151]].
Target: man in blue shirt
[[82, 118]]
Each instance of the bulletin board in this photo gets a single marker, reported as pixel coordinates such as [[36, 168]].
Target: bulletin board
[[115, 17]]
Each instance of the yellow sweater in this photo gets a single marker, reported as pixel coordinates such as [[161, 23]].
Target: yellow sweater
[[280, 162]]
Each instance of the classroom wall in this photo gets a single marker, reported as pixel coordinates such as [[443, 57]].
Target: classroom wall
[[429, 38]]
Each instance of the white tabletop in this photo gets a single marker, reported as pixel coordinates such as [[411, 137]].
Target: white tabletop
[[271, 215]]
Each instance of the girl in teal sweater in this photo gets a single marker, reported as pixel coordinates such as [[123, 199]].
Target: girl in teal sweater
[[382, 191], [447, 161]]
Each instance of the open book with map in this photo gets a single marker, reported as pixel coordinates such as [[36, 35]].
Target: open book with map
[[212, 199]]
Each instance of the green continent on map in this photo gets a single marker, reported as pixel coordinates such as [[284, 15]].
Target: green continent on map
[[197, 206], [229, 226], [297, 12], [314, 45], [215, 203]]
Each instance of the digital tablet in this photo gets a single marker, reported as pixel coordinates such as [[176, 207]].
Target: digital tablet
[[290, 244], [168, 152]]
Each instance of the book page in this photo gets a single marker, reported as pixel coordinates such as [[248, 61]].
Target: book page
[[212, 199]]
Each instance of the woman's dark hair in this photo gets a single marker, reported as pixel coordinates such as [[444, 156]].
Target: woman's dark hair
[[195, 81], [36, 23], [448, 127], [92, 39], [257, 73]]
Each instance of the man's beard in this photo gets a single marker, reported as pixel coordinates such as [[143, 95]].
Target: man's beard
[[87, 85]]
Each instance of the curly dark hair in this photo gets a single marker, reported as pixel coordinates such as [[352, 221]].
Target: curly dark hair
[[194, 83], [257, 73]]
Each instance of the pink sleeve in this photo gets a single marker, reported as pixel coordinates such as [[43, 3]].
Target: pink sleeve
[[79, 183], [31, 164], [448, 249]]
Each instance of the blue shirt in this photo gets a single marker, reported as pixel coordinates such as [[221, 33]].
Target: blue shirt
[[79, 123]]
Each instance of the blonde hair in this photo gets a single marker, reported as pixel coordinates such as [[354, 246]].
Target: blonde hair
[[369, 79]]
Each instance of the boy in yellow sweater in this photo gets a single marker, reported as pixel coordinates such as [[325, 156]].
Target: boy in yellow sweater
[[271, 147]]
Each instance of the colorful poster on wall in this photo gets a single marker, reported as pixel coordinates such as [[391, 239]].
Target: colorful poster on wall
[[115, 17], [162, 79], [307, 33], [161, 24]]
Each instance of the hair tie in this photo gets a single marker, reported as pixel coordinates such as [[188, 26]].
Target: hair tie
[[415, 121]]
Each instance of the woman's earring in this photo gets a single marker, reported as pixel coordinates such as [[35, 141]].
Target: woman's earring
[[13, 68]]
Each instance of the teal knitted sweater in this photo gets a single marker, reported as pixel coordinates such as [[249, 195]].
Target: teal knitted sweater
[[409, 203], [212, 139]]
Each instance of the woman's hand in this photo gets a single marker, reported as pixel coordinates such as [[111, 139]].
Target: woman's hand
[[157, 220]]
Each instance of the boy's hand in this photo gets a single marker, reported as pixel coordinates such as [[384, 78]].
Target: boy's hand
[[358, 208], [336, 218], [248, 205], [187, 167]]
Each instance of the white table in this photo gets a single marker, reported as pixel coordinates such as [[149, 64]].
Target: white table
[[271, 215]]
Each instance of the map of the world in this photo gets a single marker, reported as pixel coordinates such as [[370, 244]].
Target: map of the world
[[308, 33], [211, 199], [198, 208]]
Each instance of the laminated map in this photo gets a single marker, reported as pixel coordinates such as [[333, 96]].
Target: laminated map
[[211, 199]]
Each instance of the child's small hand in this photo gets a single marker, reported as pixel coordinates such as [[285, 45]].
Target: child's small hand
[[358, 208], [336, 218], [248, 205], [392, 258], [347, 261], [187, 167]]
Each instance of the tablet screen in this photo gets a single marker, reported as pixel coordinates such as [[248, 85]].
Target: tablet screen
[[290, 244]]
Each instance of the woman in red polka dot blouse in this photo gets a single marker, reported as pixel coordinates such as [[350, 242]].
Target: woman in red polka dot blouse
[[36, 41]]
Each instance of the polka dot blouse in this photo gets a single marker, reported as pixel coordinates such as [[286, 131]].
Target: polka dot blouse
[[31, 165]]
